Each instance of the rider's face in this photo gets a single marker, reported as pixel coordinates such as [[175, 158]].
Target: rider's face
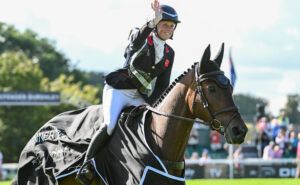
[[165, 29]]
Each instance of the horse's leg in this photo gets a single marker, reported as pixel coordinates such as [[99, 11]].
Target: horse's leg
[[70, 180]]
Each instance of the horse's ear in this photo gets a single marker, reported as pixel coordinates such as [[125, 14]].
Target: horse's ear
[[205, 59], [219, 57]]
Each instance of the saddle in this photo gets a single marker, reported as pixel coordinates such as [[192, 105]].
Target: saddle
[[130, 112], [87, 173]]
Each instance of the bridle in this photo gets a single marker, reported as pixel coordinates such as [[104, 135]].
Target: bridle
[[214, 123]]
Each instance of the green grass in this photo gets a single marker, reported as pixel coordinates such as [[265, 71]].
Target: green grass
[[244, 182], [5, 182], [231, 182]]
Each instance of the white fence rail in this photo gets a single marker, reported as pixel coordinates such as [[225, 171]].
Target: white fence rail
[[8, 171]]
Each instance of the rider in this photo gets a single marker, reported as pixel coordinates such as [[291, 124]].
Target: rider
[[144, 76]]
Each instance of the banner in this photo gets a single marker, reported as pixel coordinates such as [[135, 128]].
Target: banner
[[29, 98], [211, 170]]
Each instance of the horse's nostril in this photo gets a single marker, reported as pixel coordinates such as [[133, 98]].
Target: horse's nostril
[[236, 131]]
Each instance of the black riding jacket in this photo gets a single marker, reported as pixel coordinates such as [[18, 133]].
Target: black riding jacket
[[139, 70]]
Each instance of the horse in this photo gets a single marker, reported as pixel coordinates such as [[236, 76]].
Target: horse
[[202, 92]]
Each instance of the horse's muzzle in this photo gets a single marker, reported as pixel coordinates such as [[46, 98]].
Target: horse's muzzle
[[236, 133]]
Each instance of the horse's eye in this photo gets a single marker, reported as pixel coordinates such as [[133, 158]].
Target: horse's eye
[[211, 89]]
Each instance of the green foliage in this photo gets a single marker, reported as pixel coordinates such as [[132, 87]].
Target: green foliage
[[18, 72], [17, 124], [52, 62], [247, 105], [30, 63], [293, 108], [89, 78], [73, 93]]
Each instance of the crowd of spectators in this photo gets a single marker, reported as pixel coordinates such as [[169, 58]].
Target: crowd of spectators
[[274, 138], [271, 138]]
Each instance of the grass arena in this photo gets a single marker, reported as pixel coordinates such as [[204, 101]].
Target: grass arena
[[230, 182]]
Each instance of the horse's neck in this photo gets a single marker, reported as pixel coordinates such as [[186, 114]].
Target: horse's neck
[[171, 135]]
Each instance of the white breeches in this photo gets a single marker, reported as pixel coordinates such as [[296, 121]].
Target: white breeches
[[114, 100]]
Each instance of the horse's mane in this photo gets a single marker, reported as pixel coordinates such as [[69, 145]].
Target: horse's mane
[[170, 87]]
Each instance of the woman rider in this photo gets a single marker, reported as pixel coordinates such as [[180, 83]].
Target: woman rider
[[144, 76]]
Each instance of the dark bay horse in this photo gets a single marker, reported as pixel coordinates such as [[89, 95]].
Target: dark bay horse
[[201, 92]]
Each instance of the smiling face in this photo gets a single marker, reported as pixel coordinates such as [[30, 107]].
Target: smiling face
[[165, 29]]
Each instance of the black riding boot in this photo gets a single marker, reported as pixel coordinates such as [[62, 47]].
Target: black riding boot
[[85, 174]]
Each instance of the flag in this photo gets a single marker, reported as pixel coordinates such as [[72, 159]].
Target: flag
[[232, 70]]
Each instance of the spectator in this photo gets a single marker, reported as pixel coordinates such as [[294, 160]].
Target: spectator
[[195, 156], [293, 143], [215, 140], [290, 129], [262, 137], [298, 158], [238, 155], [275, 128], [283, 119], [268, 151], [205, 155], [277, 152], [281, 139]]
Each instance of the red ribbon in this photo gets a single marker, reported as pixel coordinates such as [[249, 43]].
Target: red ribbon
[[167, 63], [150, 40]]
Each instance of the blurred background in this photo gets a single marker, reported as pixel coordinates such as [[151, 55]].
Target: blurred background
[[53, 55]]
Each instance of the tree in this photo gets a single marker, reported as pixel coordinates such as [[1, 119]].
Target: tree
[[19, 73], [73, 93], [31, 63], [40, 50], [247, 105], [292, 108], [19, 123], [90, 78]]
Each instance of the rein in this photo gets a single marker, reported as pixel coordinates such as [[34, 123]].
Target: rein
[[175, 116]]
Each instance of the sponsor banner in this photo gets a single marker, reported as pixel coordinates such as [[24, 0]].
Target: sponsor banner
[[287, 170], [29, 98], [207, 171], [197, 171]]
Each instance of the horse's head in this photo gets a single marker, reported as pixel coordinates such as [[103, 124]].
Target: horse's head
[[213, 100]]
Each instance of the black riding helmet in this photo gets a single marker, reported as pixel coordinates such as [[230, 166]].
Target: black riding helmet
[[169, 14]]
